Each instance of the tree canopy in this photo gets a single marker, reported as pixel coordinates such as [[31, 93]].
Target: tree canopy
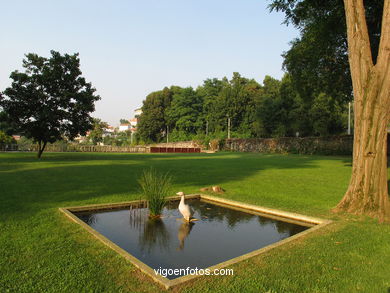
[[271, 109], [318, 60], [50, 100], [345, 47]]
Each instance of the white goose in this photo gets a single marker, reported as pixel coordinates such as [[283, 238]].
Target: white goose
[[185, 209]]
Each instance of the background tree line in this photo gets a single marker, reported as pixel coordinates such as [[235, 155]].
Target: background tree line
[[275, 108]]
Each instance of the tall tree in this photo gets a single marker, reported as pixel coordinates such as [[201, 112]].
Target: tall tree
[[368, 191], [209, 92], [50, 100], [318, 58], [368, 37], [153, 120], [185, 111]]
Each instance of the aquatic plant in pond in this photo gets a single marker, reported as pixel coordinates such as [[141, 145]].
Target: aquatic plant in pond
[[155, 187]]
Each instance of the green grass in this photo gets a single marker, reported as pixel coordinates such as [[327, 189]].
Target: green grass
[[42, 251]]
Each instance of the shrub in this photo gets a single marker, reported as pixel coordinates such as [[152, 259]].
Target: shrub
[[155, 187]]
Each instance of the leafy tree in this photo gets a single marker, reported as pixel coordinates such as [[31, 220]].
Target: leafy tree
[[210, 91], [318, 59], [50, 100], [268, 106], [124, 121], [4, 138], [153, 120], [5, 126], [326, 116], [97, 132], [294, 115], [368, 189], [366, 28], [185, 111], [235, 98]]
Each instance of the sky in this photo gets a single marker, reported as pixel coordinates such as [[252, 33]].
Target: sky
[[131, 48]]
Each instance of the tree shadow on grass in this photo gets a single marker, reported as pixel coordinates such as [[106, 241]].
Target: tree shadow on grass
[[71, 179]]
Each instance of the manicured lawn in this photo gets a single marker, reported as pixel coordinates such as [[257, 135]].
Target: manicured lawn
[[42, 251]]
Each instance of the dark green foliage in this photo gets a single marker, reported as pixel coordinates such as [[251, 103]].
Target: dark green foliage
[[185, 111], [281, 111], [5, 126], [153, 120], [326, 116], [318, 59], [50, 100], [274, 109]]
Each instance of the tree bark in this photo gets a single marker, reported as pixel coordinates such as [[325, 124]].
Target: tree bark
[[41, 148], [368, 191]]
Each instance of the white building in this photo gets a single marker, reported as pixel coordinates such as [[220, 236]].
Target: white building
[[109, 131], [124, 127]]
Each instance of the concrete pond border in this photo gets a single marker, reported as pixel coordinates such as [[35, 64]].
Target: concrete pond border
[[313, 223]]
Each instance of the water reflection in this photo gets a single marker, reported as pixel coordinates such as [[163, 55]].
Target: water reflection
[[154, 235], [211, 213], [183, 232], [221, 233], [283, 228]]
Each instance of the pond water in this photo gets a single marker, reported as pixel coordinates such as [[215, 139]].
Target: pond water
[[220, 234]]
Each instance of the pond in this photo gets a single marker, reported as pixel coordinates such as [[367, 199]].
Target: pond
[[219, 234]]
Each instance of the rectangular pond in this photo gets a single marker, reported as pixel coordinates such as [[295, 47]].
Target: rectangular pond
[[221, 233]]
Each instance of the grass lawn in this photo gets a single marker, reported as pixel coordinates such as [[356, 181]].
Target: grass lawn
[[42, 251]]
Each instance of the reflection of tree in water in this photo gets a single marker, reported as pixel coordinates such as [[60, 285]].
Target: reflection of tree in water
[[183, 232], [290, 229], [264, 221], [282, 227], [154, 234], [234, 217], [219, 213]]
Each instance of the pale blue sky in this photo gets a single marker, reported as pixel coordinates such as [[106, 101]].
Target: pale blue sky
[[131, 48]]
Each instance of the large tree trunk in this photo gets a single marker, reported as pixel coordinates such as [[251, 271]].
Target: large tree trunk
[[368, 192]]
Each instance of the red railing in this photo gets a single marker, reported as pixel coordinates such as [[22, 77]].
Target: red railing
[[174, 150]]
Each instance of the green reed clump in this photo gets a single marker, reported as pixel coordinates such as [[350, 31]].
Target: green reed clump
[[155, 187]]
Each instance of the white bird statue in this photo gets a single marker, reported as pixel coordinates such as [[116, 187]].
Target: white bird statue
[[184, 208]]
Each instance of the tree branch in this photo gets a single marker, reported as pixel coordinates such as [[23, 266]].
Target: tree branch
[[359, 48]]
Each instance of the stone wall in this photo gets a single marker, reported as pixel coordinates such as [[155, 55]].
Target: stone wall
[[330, 145]]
